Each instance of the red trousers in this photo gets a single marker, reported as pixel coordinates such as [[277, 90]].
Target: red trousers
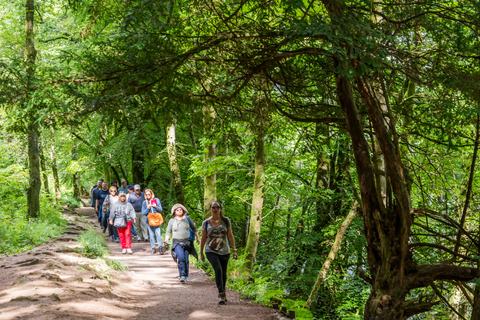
[[124, 234]]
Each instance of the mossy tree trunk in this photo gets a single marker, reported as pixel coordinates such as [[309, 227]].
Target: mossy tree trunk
[[34, 183], [76, 176], [173, 162], [258, 195], [44, 168]]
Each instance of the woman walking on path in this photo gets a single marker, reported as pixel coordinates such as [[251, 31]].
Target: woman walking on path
[[182, 245], [121, 216], [109, 201], [216, 237], [152, 205]]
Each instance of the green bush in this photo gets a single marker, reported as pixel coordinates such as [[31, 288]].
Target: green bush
[[93, 244], [17, 233], [71, 201]]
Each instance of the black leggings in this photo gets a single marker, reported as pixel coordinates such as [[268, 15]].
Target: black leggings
[[219, 263]]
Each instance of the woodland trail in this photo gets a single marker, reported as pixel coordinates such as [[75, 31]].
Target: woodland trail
[[54, 282]]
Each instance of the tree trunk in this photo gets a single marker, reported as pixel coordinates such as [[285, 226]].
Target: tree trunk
[[331, 256], [209, 191], [33, 191], [257, 200], [76, 178], [44, 168], [53, 159], [173, 161], [34, 184], [138, 175]]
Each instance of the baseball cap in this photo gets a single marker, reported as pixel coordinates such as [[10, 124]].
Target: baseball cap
[[114, 181], [136, 187], [130, 187], [123, 180]]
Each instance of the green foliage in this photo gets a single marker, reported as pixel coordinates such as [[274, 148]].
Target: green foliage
[[93, 244], [116, 265], [17, 233], [71, 201]]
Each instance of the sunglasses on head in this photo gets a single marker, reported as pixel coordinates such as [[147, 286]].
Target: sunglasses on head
[[214, 207]]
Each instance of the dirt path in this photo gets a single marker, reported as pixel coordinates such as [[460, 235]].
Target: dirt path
[[54, 282]]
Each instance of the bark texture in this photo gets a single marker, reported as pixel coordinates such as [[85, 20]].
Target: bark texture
[[257, 200], [34, 183], [76, 176], [44, 169], [56, 181], [331, 256], [173, 161]]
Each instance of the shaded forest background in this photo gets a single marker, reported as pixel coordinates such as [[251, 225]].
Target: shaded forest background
[[342, 137]]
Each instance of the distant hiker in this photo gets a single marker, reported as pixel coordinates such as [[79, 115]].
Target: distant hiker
[[150, 206], [93, 192], [114, 184], [110, 200], [121, 216], [123, 188], [216, 236], [182, 245], [130, 190], [136, 199], [101, 195]]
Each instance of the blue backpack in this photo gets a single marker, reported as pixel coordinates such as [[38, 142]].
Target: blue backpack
[[192, 233]]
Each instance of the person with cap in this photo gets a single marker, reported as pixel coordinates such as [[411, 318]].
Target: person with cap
[[129, 191], [136, 199], [114, 184], [121, 216], [179, 227], [152, 205], [123, 188]]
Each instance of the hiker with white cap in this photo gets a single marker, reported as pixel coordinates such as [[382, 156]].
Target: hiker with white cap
[[183, 232], [136, 199]]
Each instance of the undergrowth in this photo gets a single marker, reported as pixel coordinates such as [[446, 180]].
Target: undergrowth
[[94, 246], [19, 234], [71, 201], [260, 287]]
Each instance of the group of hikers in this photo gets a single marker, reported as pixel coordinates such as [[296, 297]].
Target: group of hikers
[[118, 207]]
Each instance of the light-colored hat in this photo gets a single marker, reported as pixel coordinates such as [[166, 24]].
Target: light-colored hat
[[178, 205], [136, 187], [123, 180]]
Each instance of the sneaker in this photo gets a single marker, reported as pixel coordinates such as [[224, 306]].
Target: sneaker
[[160, 250], [117, 240], [186, 279], [139, 239], [104, 230], [223, 298], [124, 251], [146, 240], [182, 279], [112, 238], [129, 251], [154, 251]]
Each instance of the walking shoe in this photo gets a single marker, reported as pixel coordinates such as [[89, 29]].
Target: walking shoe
[[112, 238], [139, 239], [124, 251], [160, 250], [186, 279], [153, 250], [129, 251], [117, 240], [146, 240], [182, 279], [104, 230], [223, 298]]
